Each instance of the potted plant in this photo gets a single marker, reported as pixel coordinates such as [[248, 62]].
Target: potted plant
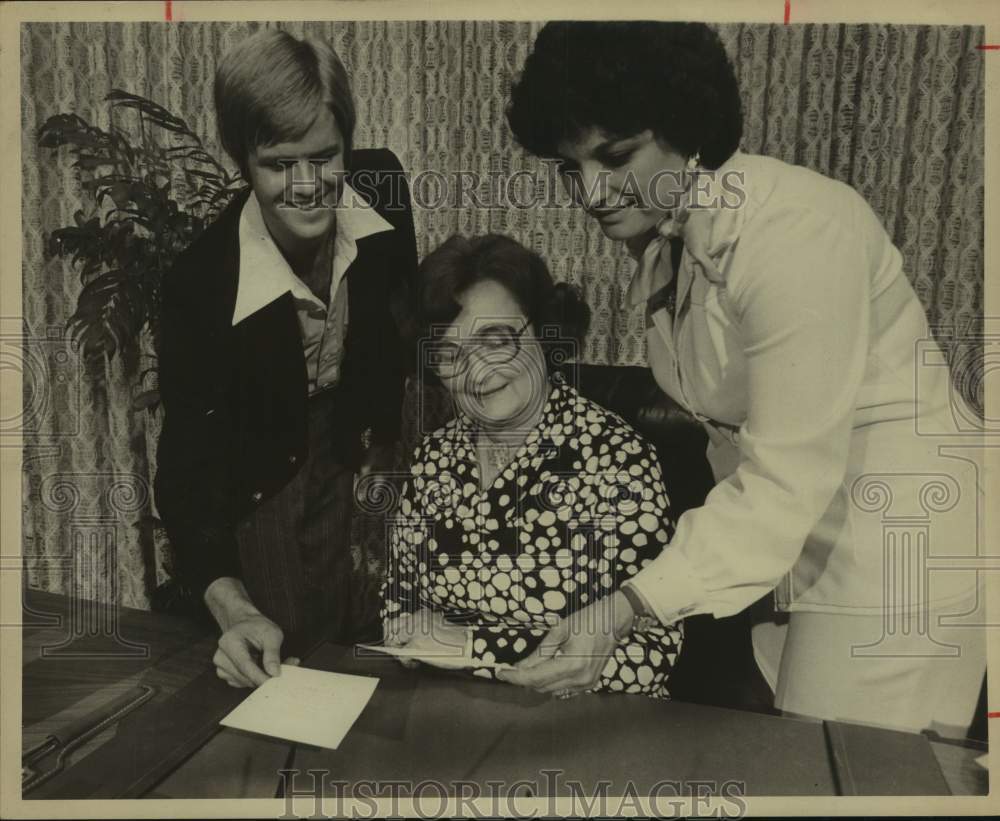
[[140, 221], [153, 189]]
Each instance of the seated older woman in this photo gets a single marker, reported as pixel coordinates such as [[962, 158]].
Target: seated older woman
[[533, 502]]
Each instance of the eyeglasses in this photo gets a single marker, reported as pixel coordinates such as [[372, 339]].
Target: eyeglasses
[[495, 344]]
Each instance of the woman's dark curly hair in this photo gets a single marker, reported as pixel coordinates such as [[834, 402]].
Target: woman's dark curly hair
[[624, 77], [557, 311]]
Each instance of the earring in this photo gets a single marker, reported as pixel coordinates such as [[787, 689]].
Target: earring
[[690, 169]]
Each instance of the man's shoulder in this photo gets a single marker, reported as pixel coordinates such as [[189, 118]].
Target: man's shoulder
[[223, 230], [207, 270], [378, 175], [374, 159]]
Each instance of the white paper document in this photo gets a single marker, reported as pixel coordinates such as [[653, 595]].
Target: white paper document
[[440, 659], [309, 706]]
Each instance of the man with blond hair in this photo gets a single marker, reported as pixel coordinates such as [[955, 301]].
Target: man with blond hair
[[281, 363]]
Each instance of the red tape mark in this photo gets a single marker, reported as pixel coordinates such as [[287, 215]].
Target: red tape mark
[[168, 10], [788, 10], [988, 48], [993, 715]]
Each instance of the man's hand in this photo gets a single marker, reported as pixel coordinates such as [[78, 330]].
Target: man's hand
[[235, 660], [572, 655], [250, 646]]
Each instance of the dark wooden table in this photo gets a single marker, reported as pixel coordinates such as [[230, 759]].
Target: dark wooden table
[[420, 724]]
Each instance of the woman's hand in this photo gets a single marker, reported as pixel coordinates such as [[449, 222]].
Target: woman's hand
[[426, 632], [573, 654]]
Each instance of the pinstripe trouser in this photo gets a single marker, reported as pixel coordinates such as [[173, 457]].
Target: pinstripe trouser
[[296, 547]]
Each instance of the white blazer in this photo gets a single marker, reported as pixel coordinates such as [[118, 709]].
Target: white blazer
[[846, 464]]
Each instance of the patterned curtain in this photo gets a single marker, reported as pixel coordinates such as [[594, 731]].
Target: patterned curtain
[[895, 111]]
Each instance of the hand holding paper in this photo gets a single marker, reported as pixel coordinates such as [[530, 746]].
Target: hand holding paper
[[448, 660], [427, 636]]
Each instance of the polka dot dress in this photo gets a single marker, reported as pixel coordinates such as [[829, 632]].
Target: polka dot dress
[[579, 509]]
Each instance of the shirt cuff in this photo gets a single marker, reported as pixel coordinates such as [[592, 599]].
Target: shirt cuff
[[669, 587]]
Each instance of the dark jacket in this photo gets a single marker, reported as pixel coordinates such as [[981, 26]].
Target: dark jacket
[[234, 398]]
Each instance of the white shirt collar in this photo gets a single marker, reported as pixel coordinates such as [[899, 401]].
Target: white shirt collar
[[264, 275]]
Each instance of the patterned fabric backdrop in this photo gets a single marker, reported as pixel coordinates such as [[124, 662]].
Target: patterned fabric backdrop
[[897, 112]]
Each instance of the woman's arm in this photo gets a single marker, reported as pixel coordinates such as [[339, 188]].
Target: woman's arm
[[401, 586], [643, 662], [800, 296], [502, 644], [801, 300], [629, 525]]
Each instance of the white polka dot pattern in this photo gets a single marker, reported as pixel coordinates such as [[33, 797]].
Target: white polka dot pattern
[[580, 509]]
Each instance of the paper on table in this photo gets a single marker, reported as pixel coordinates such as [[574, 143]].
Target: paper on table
[[449, 662], [309, 706]]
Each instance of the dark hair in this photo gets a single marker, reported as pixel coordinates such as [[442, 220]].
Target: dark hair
[[556, 310], [624, 77], [269, 87]]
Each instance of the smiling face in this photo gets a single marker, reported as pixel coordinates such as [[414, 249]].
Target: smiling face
[[299, 184], [627, 184], [500, 393]]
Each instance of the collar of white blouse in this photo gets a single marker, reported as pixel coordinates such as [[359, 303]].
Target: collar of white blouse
[[708, 220]]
